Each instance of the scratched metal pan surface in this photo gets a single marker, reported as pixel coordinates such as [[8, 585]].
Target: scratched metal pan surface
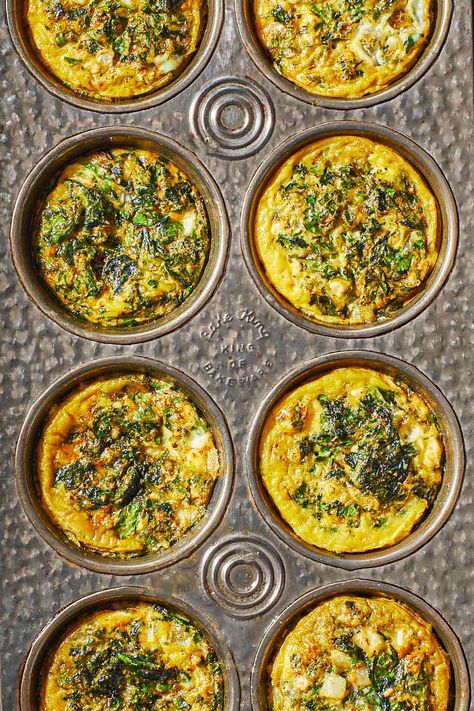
[[245, 577]]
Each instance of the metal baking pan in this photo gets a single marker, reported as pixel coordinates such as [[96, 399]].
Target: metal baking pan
[[21, 39], [417, 157], [276, 633], [26, 464], [230, 118], [452, 438], [30, 676], [54, 162]]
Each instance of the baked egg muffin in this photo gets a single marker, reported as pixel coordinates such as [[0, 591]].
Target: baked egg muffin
[[352, 460], [133, 657], [127, 465], [122, 238], [347, 231], [115, 49], [362, 653], [344, 48]]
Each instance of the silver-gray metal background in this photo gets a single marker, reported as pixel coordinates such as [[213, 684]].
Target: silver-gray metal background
[[437, 113]]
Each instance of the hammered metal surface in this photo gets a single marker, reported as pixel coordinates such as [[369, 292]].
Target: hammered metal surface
[[237, 347]]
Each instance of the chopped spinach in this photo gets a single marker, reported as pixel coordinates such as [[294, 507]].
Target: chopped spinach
[[128, 519], [72, 475], [118, 270], [281, 15]]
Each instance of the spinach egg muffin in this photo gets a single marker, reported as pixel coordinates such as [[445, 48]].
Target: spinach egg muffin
[[352, 460], [122, 238], [127, 465], [344, 48], [362, 653], [133, 657], [347, 231], [115, 49]]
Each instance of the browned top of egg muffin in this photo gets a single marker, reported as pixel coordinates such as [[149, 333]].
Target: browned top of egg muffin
[[347, 231], [115, 49], [344, 48], [353, 653]]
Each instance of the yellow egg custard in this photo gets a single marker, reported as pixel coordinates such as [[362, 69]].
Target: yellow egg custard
[[358, 653], [352, 460], [122, 238], [133, 657], [115, 49], [344, 48], [347, 231], [127, 465]]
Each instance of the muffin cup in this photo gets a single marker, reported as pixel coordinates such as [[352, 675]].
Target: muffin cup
[[30, 676], [409, 150], [446, 498], [26, 475], [24, 45], [262, 60], [34, 188], [280, 627]]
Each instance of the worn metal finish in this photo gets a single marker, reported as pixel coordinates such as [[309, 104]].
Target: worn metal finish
[[238, 135], [237, 347], [33, 190], [30, 676], [276, 633]]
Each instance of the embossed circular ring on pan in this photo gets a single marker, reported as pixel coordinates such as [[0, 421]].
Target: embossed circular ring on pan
[[448, 493], [56, 160], [244, 10], [280, 627], [25, 464], [233, 117], [31, 672], [24, 46], [244, 575], [411, 152]]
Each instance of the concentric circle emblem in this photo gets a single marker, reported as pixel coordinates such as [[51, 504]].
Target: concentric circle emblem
[[233, 117], [244, 575]]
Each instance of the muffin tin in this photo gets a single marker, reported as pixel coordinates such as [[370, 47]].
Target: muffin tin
[[242, 577], [124, 595], [52, 164], [277, 632], [427, 169], [446, 499], [22, 41], [26, 464], [261, 59]]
